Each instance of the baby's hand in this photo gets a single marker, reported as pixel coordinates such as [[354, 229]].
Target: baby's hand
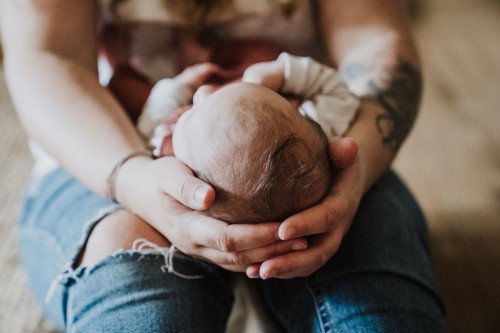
[[269, 74], [197, 75]]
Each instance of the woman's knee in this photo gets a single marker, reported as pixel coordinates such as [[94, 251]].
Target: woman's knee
[[117, 231], [130, 291]]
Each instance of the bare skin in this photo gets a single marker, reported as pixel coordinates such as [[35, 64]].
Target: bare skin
[[371, 44], [70, 104], [55, 42]]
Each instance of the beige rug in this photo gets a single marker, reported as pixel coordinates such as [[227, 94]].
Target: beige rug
[[18, 312]]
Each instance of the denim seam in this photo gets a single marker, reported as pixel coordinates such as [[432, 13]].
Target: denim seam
[[33, 233], [320, 305]]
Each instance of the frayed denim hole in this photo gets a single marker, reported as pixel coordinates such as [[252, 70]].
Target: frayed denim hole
[[71, 273]]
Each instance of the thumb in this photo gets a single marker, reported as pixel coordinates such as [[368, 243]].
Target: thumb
[[187, 189], [343, 152]]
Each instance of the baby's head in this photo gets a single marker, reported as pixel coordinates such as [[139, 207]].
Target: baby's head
[[264, 160]]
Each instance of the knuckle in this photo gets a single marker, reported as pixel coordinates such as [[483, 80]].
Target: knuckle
[[225, 243], [334, 210], [330, 215], [320, 260], [239, 259], [222, 241], [183, 190]]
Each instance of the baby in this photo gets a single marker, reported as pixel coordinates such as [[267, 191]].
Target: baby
[[265, 158]]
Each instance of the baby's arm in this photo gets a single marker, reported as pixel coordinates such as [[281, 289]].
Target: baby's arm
[[169, 94], [326, 99]]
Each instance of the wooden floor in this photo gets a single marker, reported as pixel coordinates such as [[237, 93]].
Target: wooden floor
[[452, 159], [451, 162]]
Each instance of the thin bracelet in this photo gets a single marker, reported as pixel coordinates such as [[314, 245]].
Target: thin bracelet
[[111, 180]]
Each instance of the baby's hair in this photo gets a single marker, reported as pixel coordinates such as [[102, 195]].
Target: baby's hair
[[274, 172]]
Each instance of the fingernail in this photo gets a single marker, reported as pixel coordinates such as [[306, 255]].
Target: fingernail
[[199, 195], [269, 275], [299, 246], [286, 233], [253, 271]]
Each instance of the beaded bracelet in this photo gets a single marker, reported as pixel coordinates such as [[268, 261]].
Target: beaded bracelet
[[110, 192]]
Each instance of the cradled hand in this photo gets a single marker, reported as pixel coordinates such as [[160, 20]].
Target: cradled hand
[[167, 195], [269, 74], [326, 223], [195, 76]]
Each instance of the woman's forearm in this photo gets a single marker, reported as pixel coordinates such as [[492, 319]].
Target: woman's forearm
[[371, 44], [54, 85], [72, 117]]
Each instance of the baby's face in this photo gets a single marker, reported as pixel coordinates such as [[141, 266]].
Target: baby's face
[[211, 117]]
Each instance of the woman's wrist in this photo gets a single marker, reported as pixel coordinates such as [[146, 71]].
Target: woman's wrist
[[110, 191], [130, 178], [373, 156]]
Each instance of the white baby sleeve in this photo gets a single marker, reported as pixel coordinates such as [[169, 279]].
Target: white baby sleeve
[[327, 100], [165, 98]]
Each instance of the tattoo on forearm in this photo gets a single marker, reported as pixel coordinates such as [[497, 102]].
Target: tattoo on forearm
[[400, 100], [399, 97], [354, 71]]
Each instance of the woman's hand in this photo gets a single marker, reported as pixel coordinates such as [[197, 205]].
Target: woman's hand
[[165, 193], [326, 223]]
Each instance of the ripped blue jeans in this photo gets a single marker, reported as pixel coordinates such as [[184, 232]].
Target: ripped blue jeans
[[381, 279]]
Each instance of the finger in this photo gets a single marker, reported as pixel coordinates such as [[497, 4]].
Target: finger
[[314, 220], [219, 258], [343, 152], [264, 253], [253, 74], [302, 263], [186, 188], [211, 233], [208, 69], [241, 260], [206, 231], [253, 271]]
